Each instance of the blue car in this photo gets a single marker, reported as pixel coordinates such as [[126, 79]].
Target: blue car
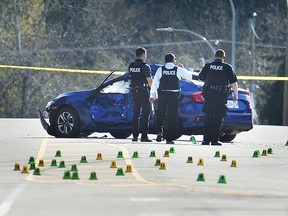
[[109, 108]]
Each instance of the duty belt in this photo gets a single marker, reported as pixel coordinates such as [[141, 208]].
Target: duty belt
[[140, 88], [218, 88], [171, 90]]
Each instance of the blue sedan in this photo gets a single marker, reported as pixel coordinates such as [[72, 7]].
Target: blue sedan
[[109, 108]]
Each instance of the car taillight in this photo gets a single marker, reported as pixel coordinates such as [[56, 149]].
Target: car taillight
[[197, 97], [244, 92]]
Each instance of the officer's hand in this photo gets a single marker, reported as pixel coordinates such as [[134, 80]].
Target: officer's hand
[[152, 99], [180, 65], [235, 98]]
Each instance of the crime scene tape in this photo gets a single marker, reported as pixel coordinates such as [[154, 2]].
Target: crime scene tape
[[268, 78], [262, 78], [62, 70]]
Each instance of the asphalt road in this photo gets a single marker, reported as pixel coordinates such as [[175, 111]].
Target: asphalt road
[[257, 186]]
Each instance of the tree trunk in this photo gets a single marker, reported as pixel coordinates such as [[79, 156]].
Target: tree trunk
[[24, 108]]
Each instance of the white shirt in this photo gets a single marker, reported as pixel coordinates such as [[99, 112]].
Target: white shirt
[[182, 73]]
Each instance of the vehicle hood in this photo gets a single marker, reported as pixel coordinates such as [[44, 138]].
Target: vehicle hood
[[71, 97], [73, 94]]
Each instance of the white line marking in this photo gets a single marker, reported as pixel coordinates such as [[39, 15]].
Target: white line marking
[[144, 199], [155, 214], [6, 205], [8, 202]]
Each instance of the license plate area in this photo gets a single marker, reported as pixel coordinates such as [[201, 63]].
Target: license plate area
[[232, 105]]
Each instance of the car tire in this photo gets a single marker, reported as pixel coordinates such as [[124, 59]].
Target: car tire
[[227, 138], [67, 123], [120, 134], [178, 129]]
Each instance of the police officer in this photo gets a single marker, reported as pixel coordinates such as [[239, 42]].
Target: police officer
[[166, 81], [141, 81], [219, 77]]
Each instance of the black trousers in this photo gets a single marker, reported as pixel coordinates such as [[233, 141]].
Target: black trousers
[[141, 109], [215, 110], [168, 103]]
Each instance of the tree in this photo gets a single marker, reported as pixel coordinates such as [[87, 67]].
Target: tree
[[15, 23], [89, 34], [270, 106]]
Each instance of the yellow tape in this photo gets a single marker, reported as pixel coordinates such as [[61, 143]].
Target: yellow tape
[[61, 70], [121, 73], [262, 78]]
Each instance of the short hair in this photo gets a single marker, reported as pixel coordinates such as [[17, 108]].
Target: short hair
[[170, 57], [140, 51], [220, 53]]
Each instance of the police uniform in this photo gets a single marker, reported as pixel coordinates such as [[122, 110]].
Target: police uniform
[[166, 81], [139, 71], [218, 76]]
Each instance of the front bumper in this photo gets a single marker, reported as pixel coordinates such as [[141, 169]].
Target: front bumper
[[44, 124]]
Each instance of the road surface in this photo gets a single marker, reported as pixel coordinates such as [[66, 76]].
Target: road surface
[[256, 186]]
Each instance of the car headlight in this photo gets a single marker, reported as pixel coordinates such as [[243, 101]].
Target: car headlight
[[50, 107]]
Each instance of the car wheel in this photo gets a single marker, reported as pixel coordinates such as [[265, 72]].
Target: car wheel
[[227, 138], [120, 135], [178, 129], [67, 124]]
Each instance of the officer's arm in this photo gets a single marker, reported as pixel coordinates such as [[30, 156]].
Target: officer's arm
[[195, 75], [235, 90], [155, 85], [203, 74], [149, 80], [147, 72], [187, 75]]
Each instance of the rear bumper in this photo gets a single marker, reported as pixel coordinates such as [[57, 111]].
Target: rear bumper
[[236, 128], [229, 127], [237, 123]]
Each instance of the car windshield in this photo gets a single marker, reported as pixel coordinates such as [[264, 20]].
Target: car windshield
[[122, 87]]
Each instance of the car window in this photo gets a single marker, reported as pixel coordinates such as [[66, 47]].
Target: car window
[[122, 87]]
